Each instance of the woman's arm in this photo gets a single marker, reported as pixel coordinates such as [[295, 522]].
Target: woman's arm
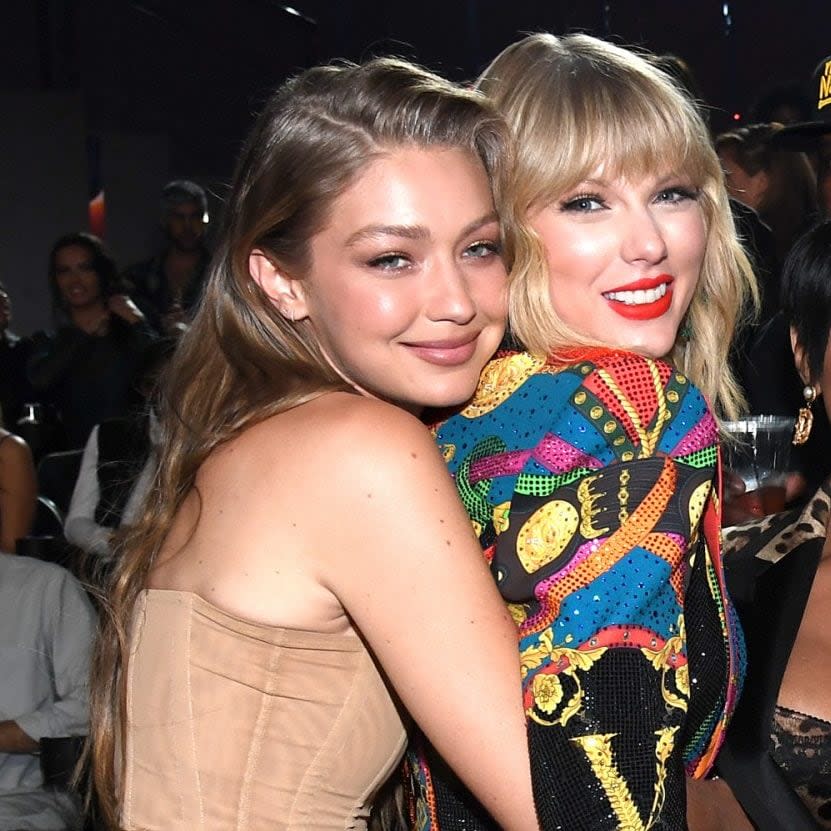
[[18, 492], [80, 527], [402, 558]]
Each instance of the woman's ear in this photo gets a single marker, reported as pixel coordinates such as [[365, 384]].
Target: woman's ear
[[284, 291], [800, 359]]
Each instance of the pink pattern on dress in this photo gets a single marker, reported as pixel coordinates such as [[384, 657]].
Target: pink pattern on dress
[[560, 456], [704, 434], [500, 464]]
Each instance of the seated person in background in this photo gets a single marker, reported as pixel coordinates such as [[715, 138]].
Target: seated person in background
[[168, 285], [46, 629], [18, 489], [116, 468], [86, 367], [777, 756], [14, 352]]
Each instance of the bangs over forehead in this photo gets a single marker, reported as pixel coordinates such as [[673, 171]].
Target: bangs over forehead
[[607, 110], [618, 131]]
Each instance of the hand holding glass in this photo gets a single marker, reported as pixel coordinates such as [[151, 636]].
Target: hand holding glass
[[759, 454]]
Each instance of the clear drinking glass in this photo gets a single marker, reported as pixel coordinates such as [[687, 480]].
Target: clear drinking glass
[[759, 454]]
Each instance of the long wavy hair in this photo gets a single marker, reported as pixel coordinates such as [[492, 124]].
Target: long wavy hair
[[241, 361], [573, 104]]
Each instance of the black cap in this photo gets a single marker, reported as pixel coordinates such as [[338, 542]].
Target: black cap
[[806, 135]]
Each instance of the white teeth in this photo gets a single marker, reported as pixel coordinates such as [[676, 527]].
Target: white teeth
[[638, 297]]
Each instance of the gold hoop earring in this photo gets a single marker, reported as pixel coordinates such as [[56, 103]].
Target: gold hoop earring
[[805, 417]]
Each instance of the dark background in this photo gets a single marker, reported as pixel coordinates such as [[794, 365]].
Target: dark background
[[126, 94]]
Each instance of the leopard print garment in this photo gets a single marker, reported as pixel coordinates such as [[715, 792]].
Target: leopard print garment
[[776, 535], [800, 744]]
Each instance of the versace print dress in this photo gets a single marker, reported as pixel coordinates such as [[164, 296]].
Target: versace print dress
[[591, 480]]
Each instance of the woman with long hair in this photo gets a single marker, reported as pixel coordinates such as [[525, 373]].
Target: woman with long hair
[[86, 367], [588, 460], [303, 569]]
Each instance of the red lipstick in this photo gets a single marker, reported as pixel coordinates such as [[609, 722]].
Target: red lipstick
[[642, 310], [645, 283]]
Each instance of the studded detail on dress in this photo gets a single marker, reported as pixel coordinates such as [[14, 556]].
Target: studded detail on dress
[[591, 484]]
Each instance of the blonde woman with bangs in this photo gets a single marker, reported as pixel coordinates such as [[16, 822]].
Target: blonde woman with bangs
[[588, 461]]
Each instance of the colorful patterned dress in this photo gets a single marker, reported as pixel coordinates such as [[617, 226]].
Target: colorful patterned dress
[[591, 484]]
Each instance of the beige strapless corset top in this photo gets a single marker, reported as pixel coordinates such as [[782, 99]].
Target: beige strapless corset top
[[236, 725]]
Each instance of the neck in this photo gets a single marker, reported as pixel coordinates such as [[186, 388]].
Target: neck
[[88, 317]]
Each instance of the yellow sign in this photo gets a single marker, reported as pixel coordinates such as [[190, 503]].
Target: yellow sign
[[825, 86]]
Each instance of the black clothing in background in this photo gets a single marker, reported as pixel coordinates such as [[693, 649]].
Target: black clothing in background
[[15, 390], [88, 378], [773, 387]]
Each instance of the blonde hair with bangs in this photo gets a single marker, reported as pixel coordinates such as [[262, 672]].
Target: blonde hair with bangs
[[577, 105]]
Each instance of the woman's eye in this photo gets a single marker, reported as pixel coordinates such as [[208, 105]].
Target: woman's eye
[[584, 203], [483, 248], [676, 194], [390, 262]]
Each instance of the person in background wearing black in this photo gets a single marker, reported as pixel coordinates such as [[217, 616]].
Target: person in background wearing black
[[168, 285], [813, 136], [14, 352], [776, 760], [768, 375], [85, 368]]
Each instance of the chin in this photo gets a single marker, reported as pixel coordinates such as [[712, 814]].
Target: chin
[[441, 400], [655, 350]]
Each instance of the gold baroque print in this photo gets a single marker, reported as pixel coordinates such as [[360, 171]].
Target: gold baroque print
[[545, 534], [501, 378], [599, 752], [545, 692]]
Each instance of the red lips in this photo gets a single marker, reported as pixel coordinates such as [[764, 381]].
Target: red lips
[[643, 311]]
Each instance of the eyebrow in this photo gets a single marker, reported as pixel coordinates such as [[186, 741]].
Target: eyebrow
[[415, 232]]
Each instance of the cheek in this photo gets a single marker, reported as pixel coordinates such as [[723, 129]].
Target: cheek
[[575, 262], [687, 246], [825, 379], [491, 297], [355, 310]]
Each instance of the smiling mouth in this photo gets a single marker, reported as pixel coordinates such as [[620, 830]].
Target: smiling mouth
[[642, 300], [638, 297], [445, 353]]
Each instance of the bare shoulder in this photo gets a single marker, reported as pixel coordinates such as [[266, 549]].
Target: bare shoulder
[[359, 445], [14, 450], [370, 436], [362, 417], [341, 423], [333, 441]]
